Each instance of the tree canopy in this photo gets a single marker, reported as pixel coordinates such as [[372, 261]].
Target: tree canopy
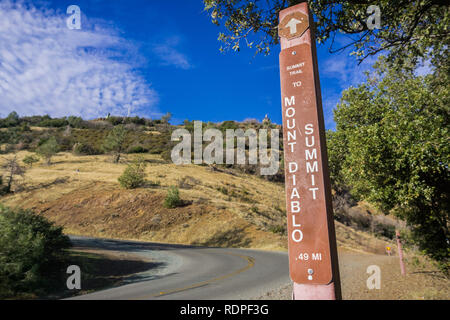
[[409, 29], [32, 253], [48, 149], [115, 141], [391, 147]]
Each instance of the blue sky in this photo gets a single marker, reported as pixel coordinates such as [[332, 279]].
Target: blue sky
[[146, 58]]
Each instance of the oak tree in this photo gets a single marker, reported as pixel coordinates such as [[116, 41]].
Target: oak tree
[[391, 148], [409, 30]]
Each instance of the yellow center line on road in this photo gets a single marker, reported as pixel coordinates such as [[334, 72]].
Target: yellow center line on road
[[250, 264]]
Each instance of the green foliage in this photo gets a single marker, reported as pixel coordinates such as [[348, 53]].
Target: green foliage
[[408, 28], [115, 120], [137, 120], [114, 142], [30, 160], [172, 199], [132, 143], [12, 119], [91, 134], [48, 149], [280, 229], [24, 127], [80, 149], [228, 125], [125, 120], [35, 120], [75, 122], [134, 175], [222, 190], [54, 123], [11, 136], [32, 253], [91, 139], [391, 147], [137, 149], [3, 189]]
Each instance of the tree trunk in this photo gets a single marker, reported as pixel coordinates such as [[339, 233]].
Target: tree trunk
[[10, 181]]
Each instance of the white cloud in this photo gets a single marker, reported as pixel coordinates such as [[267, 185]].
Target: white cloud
[[340, 71], [329, 103], [345, 68], [45, 68], [169, 55]]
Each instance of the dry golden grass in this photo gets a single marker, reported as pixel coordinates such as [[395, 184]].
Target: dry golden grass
[[242, 209], [82, 194], [229, 221]]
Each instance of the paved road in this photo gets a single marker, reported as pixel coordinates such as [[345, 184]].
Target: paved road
[[187, 272]]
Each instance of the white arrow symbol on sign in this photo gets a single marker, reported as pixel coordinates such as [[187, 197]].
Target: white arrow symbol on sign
[[292, 24]]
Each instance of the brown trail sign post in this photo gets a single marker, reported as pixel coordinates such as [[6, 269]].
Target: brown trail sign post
[[313, 260]]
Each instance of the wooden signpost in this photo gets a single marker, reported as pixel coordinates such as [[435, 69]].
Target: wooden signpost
[[400, 253], [313, 260]]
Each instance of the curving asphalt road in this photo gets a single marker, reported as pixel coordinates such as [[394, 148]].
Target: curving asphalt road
[[194, 273]]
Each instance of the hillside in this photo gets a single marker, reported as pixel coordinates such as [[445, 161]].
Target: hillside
[[223, 207]]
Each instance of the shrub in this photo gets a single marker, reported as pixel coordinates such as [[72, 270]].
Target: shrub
[[48, 149], [115, 142], [280, 229], [32, 254], [172, 199], [115, 120], [53, 123], [30, 160], [136, 149], [222, 190], [35, 120], [254, 209], [11, 120], [137, 120], [134, 175], [166, 155], [2, 187], [75, 122], [80, 149], [228, 125]]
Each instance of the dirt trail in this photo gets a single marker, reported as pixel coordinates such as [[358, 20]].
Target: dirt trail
[[419, 283]]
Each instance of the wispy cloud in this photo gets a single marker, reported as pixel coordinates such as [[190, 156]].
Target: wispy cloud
[[345, 68], [169, 54], [340, 71], [45, 68], [329, 103]]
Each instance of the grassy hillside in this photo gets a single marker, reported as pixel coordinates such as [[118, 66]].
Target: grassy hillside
[[222, 207]]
